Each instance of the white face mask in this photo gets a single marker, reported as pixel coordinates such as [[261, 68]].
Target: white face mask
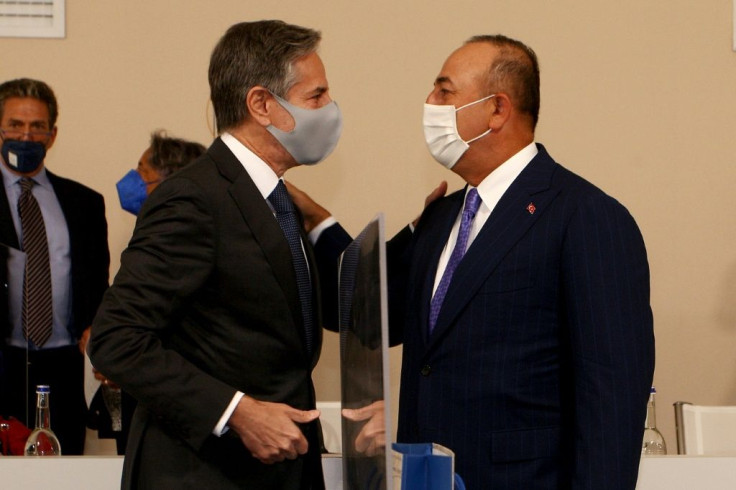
[[440, 132], [315, 133]]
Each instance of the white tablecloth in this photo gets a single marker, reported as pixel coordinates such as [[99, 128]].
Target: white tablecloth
[[103, 473], [96, 472]]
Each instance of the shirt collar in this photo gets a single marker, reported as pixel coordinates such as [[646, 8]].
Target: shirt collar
[[262, 175], [11, 178], [497, 182]]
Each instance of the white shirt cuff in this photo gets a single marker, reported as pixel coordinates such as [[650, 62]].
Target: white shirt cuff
[[221, 426], [317, 230]]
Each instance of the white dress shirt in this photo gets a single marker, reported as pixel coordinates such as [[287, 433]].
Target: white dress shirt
[[490, 190], [60, 261]]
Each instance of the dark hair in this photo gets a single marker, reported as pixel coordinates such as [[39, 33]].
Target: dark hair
[[36, 89], [514, 71], [255, 53], [171, 154]]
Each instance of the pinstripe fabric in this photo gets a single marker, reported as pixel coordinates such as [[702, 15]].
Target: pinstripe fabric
[[37, 300], [538, 371]]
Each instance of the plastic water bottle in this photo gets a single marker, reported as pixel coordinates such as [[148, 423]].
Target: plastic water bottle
[[42, 441], [653, 444]]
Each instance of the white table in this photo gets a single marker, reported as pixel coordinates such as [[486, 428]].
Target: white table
[[103, 472], [687, 473], [97, 472]]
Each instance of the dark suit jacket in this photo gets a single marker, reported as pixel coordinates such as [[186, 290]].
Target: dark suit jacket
[[206, 303], [538, 371], [84, 210]]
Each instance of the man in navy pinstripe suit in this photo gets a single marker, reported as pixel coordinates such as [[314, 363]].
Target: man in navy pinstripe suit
[[535, 365], [538, 366]]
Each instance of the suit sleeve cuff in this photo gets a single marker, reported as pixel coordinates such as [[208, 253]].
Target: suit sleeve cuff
[[221, 426]]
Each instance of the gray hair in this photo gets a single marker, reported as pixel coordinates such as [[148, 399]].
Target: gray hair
[[514, 71], [255, 53], [35, 89]]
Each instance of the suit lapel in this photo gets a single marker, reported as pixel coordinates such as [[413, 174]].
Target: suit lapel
[[74, 216], [429, 247], [7, 228], [509, 221], [259, 217]]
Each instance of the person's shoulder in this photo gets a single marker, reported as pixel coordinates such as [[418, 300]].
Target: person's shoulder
[[438, 210], [72, 186], [447, 201], [578, 188], [588, 202], [198, 168], [199, 182], [200, 176]]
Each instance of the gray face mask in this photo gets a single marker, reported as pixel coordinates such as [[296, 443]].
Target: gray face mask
[[315, 132]]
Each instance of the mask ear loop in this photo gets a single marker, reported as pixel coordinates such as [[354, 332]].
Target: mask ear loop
[[478, 137], [473, 103]]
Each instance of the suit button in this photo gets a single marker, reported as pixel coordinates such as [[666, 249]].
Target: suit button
[[426, 369]]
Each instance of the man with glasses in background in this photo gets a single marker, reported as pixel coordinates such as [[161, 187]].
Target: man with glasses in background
[[54, 265]]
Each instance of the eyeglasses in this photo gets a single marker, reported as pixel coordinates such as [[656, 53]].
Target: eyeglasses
[[17, 134]]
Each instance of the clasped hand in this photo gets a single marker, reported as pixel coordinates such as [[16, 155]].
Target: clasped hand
[[269, 430]]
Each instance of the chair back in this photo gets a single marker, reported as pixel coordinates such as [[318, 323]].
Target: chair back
[[704, 430]]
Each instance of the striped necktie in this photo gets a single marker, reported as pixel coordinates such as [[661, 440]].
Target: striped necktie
[[37, 313]]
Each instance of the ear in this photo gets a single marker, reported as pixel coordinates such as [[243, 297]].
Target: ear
[[501, 112], [260, 103], [52, 138]]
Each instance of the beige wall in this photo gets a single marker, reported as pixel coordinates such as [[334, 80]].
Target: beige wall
[[638, 97]]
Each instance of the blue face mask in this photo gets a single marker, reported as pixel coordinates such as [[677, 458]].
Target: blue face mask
[[132, 192], [23, 156]]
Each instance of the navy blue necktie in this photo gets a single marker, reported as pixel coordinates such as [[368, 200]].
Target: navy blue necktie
[[286, 216], [472, 203]]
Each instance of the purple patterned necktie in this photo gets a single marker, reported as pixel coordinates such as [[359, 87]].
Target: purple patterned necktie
[[472, 203], [286, 217], [37, 314]]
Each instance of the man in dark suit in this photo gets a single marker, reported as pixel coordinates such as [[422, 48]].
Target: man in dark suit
[[74, 238], [522, 300], [212, 323], [536, 366]]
